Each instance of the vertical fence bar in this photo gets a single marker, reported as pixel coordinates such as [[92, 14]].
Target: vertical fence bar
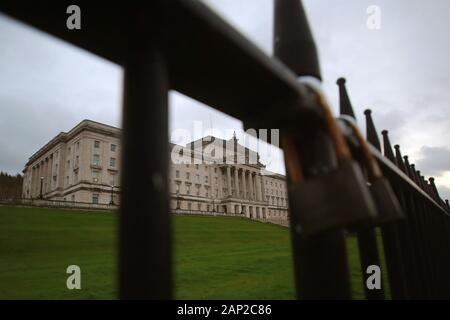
[[391, 246], [145, 250], [392, 243], [367, 241], [320, 261]]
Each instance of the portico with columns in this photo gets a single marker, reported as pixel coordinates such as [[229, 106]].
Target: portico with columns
[[244, 190]]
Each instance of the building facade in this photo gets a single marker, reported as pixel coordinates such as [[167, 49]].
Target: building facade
[[209, 175], [81, 165]]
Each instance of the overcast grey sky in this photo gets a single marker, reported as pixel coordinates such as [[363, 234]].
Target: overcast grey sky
[[400, 71]]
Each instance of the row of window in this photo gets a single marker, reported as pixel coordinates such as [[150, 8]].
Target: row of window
[[276, 184], [112, 147], [188, 176], [96, 161]]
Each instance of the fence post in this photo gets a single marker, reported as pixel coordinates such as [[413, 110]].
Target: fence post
[[145, 268], [367, 241], [320, 261], [391, 240]]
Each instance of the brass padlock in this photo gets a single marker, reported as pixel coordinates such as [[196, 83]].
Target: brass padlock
[[386, 202], [337, 199]]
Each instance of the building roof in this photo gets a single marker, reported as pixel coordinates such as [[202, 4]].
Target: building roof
[[86, 124]]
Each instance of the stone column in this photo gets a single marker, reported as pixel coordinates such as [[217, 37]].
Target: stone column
[[51, 173], [37, 180], [258, 187], [41, 174], [33, 181], [244, 187], [263, 189], [250, 180], [236, 182], [229, 180], [47, 174]]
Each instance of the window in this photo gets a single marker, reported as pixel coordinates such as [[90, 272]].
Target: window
[[112, 180], [77, 160], [189, 206], [95, 176], [206, 179], [177, 173], [199, 206], [95, 198], [112, 162], [187, 175], [196, 166], [96, 144], [96, 160], [73, 198], [197, 178], [77, 146], [67, 180], [113, 147], [75, 177]]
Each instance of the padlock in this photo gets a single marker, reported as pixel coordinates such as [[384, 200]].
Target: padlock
[[337, 199], [386, 202]]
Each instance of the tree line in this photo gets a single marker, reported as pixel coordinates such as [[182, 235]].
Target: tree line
[[10, 186]]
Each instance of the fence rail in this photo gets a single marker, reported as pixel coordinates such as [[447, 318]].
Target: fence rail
[[335, 184]]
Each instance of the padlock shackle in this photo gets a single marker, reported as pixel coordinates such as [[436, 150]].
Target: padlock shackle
[[371, 163], [342, 149], [292, 158]]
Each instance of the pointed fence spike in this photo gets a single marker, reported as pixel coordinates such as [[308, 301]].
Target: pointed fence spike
[[371, 132], [399, 158], [408, 167], [293, 41], [388, 153], [345, 106], [434, 189]]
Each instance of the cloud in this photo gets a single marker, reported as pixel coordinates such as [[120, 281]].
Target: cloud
[[435, 161], [400, 72], [444, 192]]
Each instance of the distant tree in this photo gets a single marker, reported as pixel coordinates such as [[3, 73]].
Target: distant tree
[[10, 186]]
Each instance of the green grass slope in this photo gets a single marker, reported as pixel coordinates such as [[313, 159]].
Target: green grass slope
[[215, 257]]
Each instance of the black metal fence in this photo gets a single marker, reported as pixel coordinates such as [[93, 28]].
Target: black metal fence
[[337, 182]]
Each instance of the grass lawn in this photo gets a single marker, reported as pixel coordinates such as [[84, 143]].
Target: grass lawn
[[215, 257]]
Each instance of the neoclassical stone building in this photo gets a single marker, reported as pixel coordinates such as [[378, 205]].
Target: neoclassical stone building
[[81, 165], [209, 175], [223, 176]]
